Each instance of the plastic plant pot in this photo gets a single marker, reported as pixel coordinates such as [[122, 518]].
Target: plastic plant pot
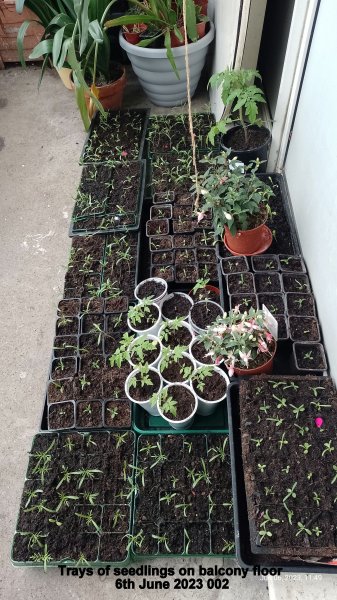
[[274, 302], [240, 283], [234, 264], [174, 301], [163, 197], [296, 282], [66, 409], [193, 366], [164, 211], [157, 299], [291, 264], [153, 330], [266, 262], [182, 241], [208, 407], [245, 301], [215, 308], [300, 304], [157, 227], [163, 272], [161, 243], [304, 329], [267, 282], [155, 362], [185, 423], [146, 404], [183, 324], [309, 357], [246, 156], [159, 259], [198, 362]]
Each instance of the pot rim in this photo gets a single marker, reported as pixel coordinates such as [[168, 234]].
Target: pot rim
[[127, 382], [161, 52], [175, 421], [248, 149], [226, 378]]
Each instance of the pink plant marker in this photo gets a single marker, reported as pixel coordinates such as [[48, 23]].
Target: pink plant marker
[[319, 422]]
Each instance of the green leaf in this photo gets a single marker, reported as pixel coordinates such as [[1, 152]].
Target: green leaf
[[84, 26], [96, 32], [80, 98], [167, 41], [57, 45], [130, 20], [63, 54], [191, 20], [43, 68], [44, 47], [19, 41]]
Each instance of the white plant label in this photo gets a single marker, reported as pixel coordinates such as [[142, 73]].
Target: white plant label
[[271, 322]]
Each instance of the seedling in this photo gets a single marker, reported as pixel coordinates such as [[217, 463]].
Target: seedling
[[257, 442], [160, 457], [83, 382], [328, 448], [122, 354], [170, 327], [302, 430], [200, 376], [113, 412], [32, 495], [34, 538], [261, 467], [282, 442], [202, 475], [167, 403], [297, 410], [184, 507], [163, 540], [43, 557], [290, 493], [141, 311], [168, 498], [306, 447], [277, 420], [121, 438], [219, 452], [85, 474], [282, 402], [142, 377], [89, 520], [136, 540], [316, 498], [267, 520], [64, 500], [302, 529]]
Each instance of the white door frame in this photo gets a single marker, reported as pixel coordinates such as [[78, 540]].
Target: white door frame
[[294, 63]]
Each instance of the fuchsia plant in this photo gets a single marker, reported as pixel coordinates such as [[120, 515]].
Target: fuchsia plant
[[240, 339]]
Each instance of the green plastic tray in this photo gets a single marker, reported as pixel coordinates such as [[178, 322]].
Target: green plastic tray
[[143, 422]]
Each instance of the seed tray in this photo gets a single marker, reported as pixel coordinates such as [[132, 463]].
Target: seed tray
[[244, 554], [206, 522], [73, 232], [146, 116], [75, 563]]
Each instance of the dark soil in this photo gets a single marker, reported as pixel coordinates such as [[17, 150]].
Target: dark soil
[[206, 255], [182, 212], [206, 294], [92, 305], [256, 137], [206, 239], [142, 393], [122, 418], [289, 465], [149, 319], [245, 301], [183, 241], [162, 258], [183, 199], [208, 271], [164, 272], [185, 402], [240, 283], [175, 306], [61, 415], [161, 212], [267, 282], [89, 414], [185, 257], [88, 322], [296, 283], [186, 274], [183, 226], [63, 368], [265, 263], [162, 197], [301, 304], [149, 356], [304, 329], [157, 227], [291, 263], [234, 265], [215, 387], [89, 363], [160, 243], [274, 302], [65, 346], [199, 352], [60, 390], [310, 356], [127, 125], [150, 289], [68, 308], [181, 337], [116, 323], [168, 132], [199, 538], [174, 371], [204, 314], [116, 305]]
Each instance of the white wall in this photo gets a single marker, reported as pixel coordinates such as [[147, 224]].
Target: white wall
[[311, 172]]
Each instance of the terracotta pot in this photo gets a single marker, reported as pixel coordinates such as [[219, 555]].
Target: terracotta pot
[[267, 367], [245, 242], [175, 42], [134, 37], [111, 95], [201, 29], [203, 5]]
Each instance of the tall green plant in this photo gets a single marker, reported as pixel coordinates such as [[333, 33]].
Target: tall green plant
[[166, 16], [74, 36]]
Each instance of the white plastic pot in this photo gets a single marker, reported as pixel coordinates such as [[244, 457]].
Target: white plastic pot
[[185, 423], [197, 362], [183, 324], [187, 381], [155, 72], [152, 410], [159, 300], [208, 407], [186, 296], [153, 330], [195, 327], [155, 363]]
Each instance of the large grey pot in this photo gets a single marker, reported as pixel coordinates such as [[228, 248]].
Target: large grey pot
[[156, 75]]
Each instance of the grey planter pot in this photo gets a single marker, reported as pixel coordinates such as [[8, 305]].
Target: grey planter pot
[[156, 75]]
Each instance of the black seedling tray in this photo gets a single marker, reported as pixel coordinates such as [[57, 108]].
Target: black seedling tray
[[244, 554], [84, 232], [146, 113]]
